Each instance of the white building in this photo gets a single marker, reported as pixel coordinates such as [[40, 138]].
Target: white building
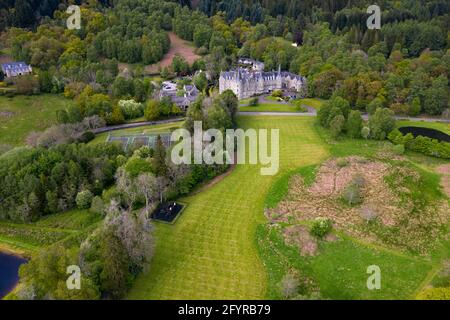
[[14, 69], [251, 81]]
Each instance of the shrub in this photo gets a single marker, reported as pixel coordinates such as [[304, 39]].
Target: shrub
[[27, 85], [152, 111], [299, 106], [368, 214], [398, 149], [73, 89], [354, 124], [135, 166], [399, 108], [351, 194], [84, 199], [277, 94], [289, 286], [358, 179], [374, 105], [337, 125], [253, 102], [116, 116], [86, 137], [342, 162], [446, 114], [381, 123], [131, 109], [97, 205], [121, 160], [414, 108], [421, 144], [365, 132], [321, 227], [144, 152]]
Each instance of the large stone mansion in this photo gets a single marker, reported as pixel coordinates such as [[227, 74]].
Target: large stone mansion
[[251, 80]]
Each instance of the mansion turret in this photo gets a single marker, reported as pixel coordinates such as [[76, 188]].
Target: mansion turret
[[248, 82]]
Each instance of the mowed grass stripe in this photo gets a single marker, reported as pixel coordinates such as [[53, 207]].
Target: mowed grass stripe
[[211, 251]]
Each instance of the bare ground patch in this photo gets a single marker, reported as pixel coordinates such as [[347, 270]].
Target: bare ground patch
[[384, 215], [445, 180], [177, 46]]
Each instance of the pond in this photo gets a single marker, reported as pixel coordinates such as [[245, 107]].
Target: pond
[[426, 132], [9, 272]]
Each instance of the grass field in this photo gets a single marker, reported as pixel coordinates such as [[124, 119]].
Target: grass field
[[270, 107], [339, 270], [30, 237], [211, 252], [22, 114], [312, 102], [277, 107]]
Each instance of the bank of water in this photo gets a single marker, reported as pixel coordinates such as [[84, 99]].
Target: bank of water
[[9, 272]]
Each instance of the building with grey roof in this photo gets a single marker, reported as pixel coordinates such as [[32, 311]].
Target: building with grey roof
[[14, 69], [182, 98], [252, 81]]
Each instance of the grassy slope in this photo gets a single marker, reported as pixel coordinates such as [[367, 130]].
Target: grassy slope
[[211, 253], [30, 237], [340, 268], [313, 102], [31, 113], [270, 107]]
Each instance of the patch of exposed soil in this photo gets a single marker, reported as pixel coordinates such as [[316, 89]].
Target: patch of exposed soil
[[384, 215], [299, 236], [177, 46], [445, 180]]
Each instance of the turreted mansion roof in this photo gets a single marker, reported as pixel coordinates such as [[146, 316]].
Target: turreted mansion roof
[[245, 75]]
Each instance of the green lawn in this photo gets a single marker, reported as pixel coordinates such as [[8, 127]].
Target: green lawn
[[22, 114], [211, 251], [340, 268], [270, 107], [30, 237], [278, 107], [312, 102]]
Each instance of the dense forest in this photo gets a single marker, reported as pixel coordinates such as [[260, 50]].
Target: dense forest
[[403, 68]]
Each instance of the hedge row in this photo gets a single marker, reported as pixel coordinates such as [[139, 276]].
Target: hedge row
[[425, 145]]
